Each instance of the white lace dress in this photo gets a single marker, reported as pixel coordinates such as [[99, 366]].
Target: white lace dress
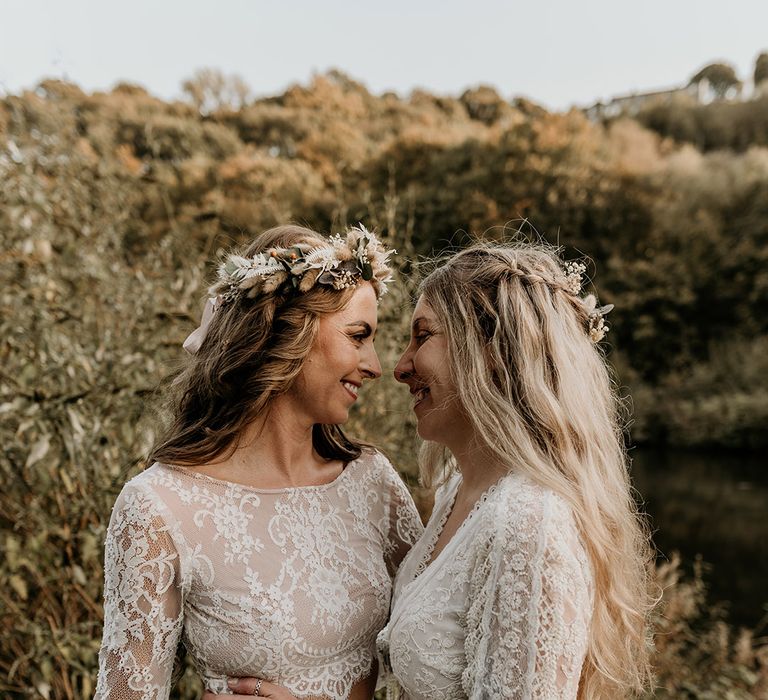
[[503, 611], [290, 585]]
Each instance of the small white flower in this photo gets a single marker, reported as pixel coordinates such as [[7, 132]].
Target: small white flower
[[597, 325], [597, 329], [573, 273]]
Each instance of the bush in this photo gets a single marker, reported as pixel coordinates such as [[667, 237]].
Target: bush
[[113, 205]]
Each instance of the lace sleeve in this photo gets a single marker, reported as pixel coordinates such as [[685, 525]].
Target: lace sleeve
[[142, 602], [405, 526], [529, 617]]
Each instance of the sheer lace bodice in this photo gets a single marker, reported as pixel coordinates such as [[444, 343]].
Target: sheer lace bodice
[[290, 585], [502, 611]]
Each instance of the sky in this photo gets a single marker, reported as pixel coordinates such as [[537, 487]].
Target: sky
[[555, 52]]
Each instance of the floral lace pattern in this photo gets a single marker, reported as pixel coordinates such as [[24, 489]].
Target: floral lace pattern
[[502, 611], [290, 585]]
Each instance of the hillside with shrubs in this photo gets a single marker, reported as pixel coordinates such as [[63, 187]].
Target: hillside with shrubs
[[114, 206]]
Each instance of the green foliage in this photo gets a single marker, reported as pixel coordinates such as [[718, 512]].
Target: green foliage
[[720, 125], [112, 205], [722, 403]]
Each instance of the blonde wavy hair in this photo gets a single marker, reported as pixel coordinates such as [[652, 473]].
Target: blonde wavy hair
[[541, 400]]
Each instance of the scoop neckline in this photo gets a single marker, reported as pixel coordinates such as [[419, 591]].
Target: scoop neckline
[[286, 489]]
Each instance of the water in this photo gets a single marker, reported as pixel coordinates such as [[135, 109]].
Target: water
[[715, 504]]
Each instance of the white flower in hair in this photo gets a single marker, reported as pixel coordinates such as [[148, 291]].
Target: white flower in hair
[[347, 259], [573, 272], [343, 263], [597, 325]]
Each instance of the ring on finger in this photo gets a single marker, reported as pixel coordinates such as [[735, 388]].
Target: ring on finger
[[257, 688]]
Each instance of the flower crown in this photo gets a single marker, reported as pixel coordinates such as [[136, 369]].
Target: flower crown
[[358, 255], [348, 259], [596, 314]]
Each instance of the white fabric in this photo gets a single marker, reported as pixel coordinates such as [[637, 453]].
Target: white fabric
[[503, 610], [290, 585]]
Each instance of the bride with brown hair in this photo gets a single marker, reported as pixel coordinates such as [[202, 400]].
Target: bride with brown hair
[[262, 536]]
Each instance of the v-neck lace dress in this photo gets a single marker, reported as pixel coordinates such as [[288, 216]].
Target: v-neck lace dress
[[290, 585], [502, 611]]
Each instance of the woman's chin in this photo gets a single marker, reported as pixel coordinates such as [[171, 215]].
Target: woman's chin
[[424, 432], [335, 419]]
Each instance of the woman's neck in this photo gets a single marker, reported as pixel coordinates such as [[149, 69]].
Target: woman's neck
[[278, 446], [479, 469]]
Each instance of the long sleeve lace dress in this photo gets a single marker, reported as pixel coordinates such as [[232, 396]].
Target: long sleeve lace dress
[[502, 611], [290, 585]]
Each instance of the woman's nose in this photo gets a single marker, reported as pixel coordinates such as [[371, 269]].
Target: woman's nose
[[404, 367], [372, 366]]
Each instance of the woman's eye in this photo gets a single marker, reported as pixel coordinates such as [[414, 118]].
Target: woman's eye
[[421, 337]]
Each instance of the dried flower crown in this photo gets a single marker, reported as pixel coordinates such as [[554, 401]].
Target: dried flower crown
[[596, 314], [357, 255]]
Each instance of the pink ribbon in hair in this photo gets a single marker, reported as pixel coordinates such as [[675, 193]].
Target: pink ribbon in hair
[[196, 337]]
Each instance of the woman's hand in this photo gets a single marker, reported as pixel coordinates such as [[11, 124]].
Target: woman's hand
[[246, 688]]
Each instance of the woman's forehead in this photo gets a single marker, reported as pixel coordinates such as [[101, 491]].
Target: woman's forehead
[[364, 296], [362, 305], [423, 310]]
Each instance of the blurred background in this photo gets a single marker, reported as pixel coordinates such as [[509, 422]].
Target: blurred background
[[136, 142]]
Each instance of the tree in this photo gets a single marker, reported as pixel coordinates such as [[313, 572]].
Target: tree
[[209, 90], [721, 78], [761, 68], [484, 104]]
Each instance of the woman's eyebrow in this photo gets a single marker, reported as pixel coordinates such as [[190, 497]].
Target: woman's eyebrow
[[416, 321], [365, 326]]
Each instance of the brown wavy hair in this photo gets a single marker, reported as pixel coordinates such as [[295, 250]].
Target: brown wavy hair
[[253, 351]]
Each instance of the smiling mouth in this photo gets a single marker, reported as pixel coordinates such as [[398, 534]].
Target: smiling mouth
[[419, 395], [351, 388]]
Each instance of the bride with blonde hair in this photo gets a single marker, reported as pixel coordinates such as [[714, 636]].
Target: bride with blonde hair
[[531, 579]]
